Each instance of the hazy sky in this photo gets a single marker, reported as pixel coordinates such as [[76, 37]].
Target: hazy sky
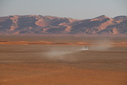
[[79, 9]]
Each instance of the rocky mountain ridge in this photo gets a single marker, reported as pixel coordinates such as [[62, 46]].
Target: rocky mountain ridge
[[38, 24]]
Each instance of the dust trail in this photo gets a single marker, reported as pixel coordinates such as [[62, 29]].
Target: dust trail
[[60, 52], [101, 45]]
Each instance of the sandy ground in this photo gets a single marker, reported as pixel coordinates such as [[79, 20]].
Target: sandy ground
[[62, 65]]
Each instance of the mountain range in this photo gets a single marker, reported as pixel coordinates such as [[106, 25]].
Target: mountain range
[[38, 24]]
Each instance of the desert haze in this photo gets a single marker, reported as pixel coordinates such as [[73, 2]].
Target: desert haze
[[53, 60]]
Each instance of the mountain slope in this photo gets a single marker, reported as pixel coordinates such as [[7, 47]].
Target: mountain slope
[[38, 24]]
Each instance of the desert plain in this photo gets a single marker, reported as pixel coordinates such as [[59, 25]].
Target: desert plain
[[53, 60]]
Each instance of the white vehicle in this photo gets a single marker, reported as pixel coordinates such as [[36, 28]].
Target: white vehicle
[[85, 48]]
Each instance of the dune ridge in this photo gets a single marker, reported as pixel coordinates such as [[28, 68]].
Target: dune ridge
[[123, 44]]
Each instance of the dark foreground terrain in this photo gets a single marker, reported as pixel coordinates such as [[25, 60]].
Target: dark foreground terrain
[[62, 64]]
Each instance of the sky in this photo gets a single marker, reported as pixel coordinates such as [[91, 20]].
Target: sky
[[77, 9]]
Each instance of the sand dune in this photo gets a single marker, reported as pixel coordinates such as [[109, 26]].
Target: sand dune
[[121, 44]]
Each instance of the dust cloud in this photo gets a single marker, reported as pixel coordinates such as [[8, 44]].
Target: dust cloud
[[101, 45], [60, 52]]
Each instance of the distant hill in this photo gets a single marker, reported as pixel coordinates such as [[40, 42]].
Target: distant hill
[[38, 24]]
